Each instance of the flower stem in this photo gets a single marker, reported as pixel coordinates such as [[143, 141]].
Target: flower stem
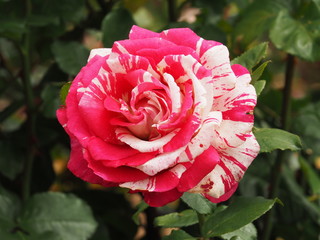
[[30, 106], [285, 124], [171, 10], [201, 219], [152, 232]]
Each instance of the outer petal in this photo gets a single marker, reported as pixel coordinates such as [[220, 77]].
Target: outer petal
[[141, 33], [75, 123], [100, 52], [161, 182], [158, 199], [203, 164], [224, 197], [79, 166], [116, 175], [229, 170]]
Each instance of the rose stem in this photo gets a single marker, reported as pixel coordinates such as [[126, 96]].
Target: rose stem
[[28, 92], [152, 232], [277, 167], [201, 218], [171, 10]]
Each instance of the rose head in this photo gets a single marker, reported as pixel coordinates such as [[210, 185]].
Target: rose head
[[162, 114]]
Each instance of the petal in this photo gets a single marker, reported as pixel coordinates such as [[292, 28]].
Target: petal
[[186, 37], [75, 123], [230, 169], [100, 52], [161, 182], [236, 107], [159, 199], [79, 166], [117, 175], [217, 60], [224, 197], [203, 139], [161, 162], [125, 136], [134, 45], [203, 164], [242, 74], [141, 33], [237, 160], [93, 112], [101, 150]]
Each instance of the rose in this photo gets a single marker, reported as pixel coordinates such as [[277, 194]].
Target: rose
[[162, 114]]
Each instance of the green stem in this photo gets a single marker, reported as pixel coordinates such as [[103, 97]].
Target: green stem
[[28, 92], [152, 232], [201, 219], [285, 124], [171, 10]]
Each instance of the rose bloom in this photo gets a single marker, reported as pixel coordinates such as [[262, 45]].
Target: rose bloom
[[162, 114]]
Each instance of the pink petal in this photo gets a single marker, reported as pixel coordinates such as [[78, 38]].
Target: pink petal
[[134, 45], [79, 166], [203, 164], [100, 52], [236, 107], [127, 137], [229, 171], [224, 197], [217, 60], [159, 199], [141, 33], [186, 37], [101, 150], [76, 125], [161, 182], [117, 175], [203, 139], [161, 162]]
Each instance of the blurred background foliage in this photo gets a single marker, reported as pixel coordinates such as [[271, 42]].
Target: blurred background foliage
[[46, 42]]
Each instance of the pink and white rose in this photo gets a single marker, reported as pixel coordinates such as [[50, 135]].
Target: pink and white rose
[[162, 114]]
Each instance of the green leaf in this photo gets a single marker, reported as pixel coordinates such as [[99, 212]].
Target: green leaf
[[10, 236], [311, 176], [64, 92], [11, 158], [116, 26], [185, 218], [295, 38], [297, 194], [258, 72], [70, 56], [242, 211], [307, 125], [259, 86], [64, 214], [68, 11], [247, 232], [258, 18], [12, 29], [50, 100], [178, 235], [9, 208], [317, 3], [252, 57], [42, 20], [271, 139], [45, 235], [141, 207], [198, 203]]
